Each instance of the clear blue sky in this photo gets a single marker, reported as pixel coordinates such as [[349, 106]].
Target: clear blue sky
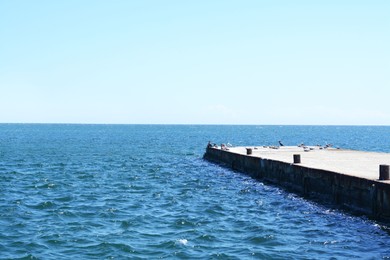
[[195, 62]]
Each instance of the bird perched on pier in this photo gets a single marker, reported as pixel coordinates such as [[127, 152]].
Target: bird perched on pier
[[280, 143]]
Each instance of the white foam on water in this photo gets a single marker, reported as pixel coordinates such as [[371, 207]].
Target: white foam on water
[[183, 241]]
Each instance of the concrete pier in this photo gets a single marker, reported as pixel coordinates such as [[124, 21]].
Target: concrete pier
[[356, 180]]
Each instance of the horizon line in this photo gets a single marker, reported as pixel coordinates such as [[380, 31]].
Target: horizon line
[[183, 124]]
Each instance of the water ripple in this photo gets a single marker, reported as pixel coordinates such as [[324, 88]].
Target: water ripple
[[103, 192]]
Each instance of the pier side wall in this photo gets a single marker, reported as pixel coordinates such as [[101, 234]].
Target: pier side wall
[[360, 195]]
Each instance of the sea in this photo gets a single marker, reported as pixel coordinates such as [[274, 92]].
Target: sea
[[72, 191]]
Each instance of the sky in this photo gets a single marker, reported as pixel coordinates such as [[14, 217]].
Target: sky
[[324, 62]]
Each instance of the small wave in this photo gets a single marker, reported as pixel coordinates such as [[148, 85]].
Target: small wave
[[46, 186], [260, 240], [164, 245], [66, 213], [125, 224], [182, 241], [65, 199], [42, 205], [27, 257], [207, 238], [182, 223]]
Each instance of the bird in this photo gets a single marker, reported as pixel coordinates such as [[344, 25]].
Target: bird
[[280, 143]]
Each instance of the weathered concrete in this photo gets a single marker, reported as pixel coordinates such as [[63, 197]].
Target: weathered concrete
[[345, 177]]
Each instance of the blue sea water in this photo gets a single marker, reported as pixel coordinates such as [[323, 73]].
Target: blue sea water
[[144, 192]]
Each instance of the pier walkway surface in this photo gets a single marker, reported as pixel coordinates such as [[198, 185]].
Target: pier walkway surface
[[349, 162]]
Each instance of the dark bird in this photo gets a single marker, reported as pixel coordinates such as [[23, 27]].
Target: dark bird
[[280, 143]]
